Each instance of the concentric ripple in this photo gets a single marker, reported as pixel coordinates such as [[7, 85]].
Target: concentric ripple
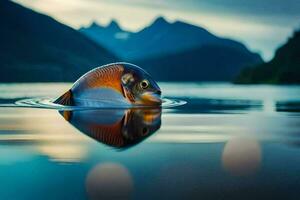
[[47, 103]]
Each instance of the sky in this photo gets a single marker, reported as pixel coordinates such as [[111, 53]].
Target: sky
[[262, 25]]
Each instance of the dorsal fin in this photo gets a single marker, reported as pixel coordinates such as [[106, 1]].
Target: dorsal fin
[[65, 99]]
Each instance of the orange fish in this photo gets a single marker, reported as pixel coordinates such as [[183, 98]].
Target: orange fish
[[116, 127], [117, 84]]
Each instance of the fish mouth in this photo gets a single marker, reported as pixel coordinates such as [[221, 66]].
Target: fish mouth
[[151, 98]]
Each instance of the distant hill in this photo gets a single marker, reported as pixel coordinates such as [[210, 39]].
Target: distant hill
[[284, 68], [178, 46], [36, 48], [205, 63], [159, 38], [111, 36]]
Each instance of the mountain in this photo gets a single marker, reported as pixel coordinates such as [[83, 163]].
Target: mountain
[[111, 36], [284, 68], [159, 38], [36, 48], [178, 46], [205, 63]]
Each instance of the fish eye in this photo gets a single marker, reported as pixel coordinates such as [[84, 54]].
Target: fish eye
[[145, 131], [144, 84]]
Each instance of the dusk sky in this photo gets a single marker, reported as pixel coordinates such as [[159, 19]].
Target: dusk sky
[[262, 25]]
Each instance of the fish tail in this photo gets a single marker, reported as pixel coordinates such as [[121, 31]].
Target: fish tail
[[65, 99], [66, 114]]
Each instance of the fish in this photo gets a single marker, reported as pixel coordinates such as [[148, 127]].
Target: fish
[[116, 85], [118, 128]]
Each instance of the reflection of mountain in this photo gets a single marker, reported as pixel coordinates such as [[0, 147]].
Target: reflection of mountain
[[283, 68], [288, 106], [32, 133], [117, 128], [177, 46], [35, 47]]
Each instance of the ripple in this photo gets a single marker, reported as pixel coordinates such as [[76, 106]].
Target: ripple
[[47, 103]]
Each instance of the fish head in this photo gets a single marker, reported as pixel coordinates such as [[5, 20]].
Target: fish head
[[140, 123], [139, 87]]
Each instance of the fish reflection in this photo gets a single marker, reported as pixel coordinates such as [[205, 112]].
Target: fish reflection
[[115, 127]]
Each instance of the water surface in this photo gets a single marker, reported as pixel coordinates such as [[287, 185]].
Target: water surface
[[227, 142]]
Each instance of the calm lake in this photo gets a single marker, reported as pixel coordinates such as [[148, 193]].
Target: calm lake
[[227, 142]]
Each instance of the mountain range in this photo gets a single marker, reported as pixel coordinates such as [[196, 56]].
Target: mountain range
[[37, 48], [284, 68], [167, 49]]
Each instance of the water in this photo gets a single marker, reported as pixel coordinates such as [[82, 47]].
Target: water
[[227, 142]]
